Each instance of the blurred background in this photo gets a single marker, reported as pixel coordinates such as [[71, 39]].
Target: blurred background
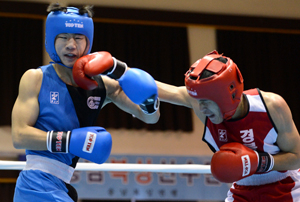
[[163, 37]]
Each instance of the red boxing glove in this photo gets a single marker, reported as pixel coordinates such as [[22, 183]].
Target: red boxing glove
[[235, 161], [95, 64]]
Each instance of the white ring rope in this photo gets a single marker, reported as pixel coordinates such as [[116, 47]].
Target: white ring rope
[[128, 167]]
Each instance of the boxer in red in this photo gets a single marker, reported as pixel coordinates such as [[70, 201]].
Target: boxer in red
[[253, 136]]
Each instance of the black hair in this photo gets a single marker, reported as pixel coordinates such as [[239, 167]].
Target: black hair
[[56, 7], [222, 59], [87, 9], [206, 73], [82, 10]]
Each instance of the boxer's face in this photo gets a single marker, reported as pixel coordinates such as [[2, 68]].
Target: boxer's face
[[210, 109], [70, 47]]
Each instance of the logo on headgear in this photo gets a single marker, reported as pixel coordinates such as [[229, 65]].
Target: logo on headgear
[[194, 93], [76, 25]]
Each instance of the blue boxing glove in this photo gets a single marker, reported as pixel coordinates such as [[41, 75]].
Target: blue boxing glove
[[91, 143], [140, 88]]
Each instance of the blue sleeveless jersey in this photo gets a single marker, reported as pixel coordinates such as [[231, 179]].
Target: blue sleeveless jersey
[[64, 108]]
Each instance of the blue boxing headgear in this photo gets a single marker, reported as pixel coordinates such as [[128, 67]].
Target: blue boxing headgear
[[70, 21]]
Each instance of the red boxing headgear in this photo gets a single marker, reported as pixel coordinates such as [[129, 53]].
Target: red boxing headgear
[[224, 87]]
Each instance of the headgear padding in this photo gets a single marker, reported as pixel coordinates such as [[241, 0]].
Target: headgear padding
[[71, 21], [224, 87]]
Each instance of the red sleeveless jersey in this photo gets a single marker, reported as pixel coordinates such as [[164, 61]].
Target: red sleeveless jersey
[[256, 130]]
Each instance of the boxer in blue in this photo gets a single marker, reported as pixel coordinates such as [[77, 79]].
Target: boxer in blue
[[58, 104]]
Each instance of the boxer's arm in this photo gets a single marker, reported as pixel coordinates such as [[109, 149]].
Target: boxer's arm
[[179, 96], [138, 85], [116, 95], [288, 139], [174, 95], [25, 136], [25, 113]]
